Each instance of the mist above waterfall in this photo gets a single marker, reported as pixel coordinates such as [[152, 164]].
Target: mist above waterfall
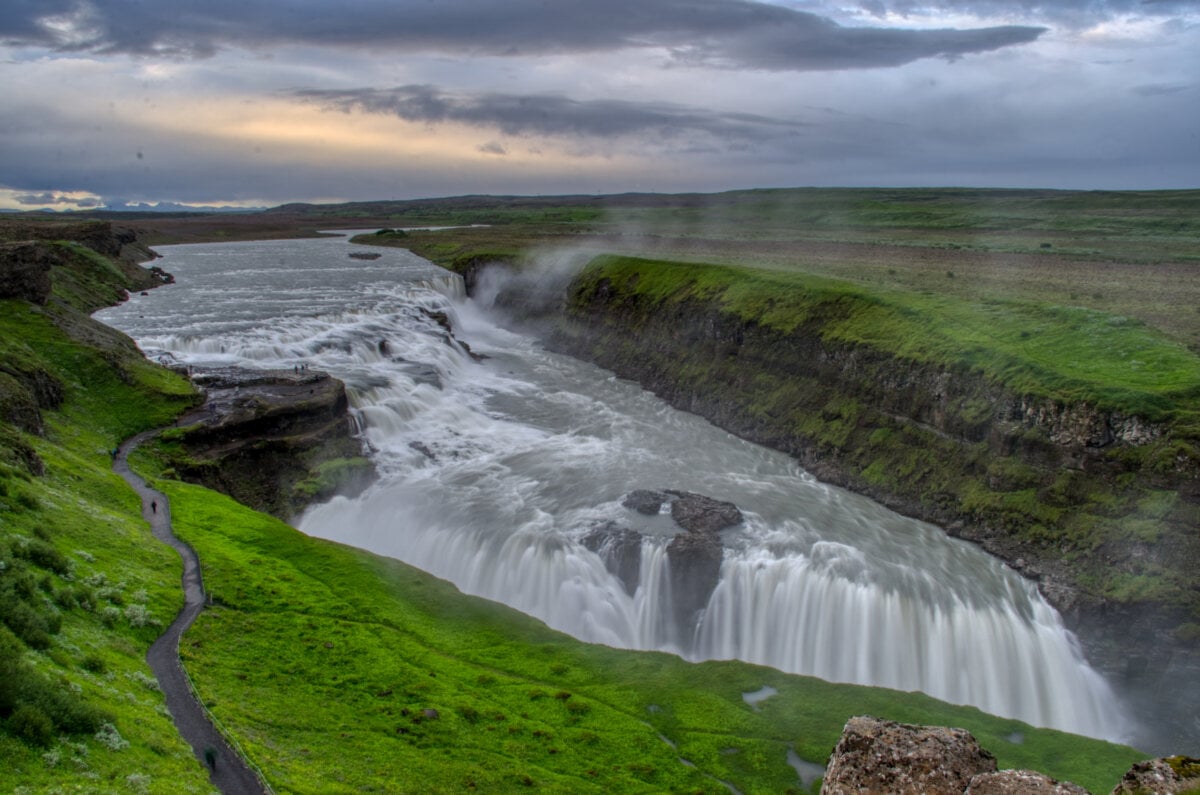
[[494, 471]]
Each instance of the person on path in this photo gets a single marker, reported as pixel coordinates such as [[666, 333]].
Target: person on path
[[153, 506]]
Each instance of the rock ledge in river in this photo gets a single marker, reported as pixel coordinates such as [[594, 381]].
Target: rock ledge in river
[[695, 554], [272, 439], [621, 550]]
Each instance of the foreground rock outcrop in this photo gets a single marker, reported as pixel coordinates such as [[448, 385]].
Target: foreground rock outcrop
[[1174, 775], [274, 440], [882, 756]]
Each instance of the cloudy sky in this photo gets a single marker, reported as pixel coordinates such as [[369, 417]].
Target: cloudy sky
[[261, 102]]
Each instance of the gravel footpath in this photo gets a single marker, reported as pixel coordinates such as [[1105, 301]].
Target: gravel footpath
[[228, 771]]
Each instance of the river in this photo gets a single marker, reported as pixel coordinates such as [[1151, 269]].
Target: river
[[493, 470]]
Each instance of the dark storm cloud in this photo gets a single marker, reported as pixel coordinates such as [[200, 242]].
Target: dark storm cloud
[[550, 115], [734, 33]]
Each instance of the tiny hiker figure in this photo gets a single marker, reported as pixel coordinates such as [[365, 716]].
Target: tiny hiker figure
[[153, 506]]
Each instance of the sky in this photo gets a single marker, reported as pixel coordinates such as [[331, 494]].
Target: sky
[[263, 102]]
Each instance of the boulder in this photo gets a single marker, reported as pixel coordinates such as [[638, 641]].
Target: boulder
[[645, 502], [621, 550], [1021, 782], [884, 756], [701, 514], [1164, 776]]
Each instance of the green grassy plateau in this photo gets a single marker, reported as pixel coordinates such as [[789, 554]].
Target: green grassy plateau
[[321, 661], [1068, 354]]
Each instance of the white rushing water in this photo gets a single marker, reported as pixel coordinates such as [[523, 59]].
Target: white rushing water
[[493, 471]]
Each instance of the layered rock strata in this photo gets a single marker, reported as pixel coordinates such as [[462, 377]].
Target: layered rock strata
[[274, 440]]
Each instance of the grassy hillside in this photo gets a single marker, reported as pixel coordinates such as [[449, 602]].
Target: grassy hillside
[[316, 652], [84, 588]]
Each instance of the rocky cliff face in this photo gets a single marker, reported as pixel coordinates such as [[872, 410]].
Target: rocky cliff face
[[54, 267], [273, 440], [25, 271]]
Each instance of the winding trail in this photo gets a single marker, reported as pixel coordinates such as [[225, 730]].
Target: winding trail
[[228, 771]]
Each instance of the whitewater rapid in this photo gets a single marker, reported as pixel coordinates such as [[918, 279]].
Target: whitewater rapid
[[493, 470]]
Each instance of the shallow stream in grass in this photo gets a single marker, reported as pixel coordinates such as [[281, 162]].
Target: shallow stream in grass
[[493, 472]]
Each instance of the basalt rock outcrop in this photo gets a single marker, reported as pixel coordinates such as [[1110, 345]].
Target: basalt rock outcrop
[[274, 440], [621, 550]]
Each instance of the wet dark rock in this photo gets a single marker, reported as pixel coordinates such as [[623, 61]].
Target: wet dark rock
[[437, 316], [695, 555], [477, 357], [884, 756], [621, 550], [1163, 776], [645, 502], [423, 449], [443, 320], [700, 514], [695, 560]]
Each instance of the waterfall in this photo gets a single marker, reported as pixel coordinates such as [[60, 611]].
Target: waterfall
[[493, 472]]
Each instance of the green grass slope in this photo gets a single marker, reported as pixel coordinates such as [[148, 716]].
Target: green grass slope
[[84, 588], [323, 661]]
